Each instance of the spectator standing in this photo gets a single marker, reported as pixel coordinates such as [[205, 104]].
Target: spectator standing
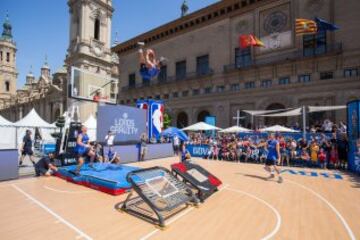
[[314, 151], [143, 146], [176, 143], [26, 148]]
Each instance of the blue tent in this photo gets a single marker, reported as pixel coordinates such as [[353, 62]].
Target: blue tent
[[172, 131]]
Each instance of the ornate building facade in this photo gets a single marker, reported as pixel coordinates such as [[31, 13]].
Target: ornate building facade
[[208, 74], [89, 49]]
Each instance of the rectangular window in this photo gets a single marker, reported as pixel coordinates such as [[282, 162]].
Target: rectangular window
[[195, 92], [132, 80], [8, 57], [326, 75], [166, 96], [157, 97], [220, 89], [180, 70], [314, 44], [243, 57], [304, 78], [202, 65], [185, 93], [284, 81], [175, 95], [249, 85], [207, 90], [351, 72], [235, 87], [162, 74], [1, 56], [266, 83]]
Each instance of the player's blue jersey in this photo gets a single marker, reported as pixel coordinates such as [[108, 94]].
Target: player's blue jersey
[[272, 152]]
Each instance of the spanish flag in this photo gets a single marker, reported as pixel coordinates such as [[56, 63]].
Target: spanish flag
[[305, 26], [250, 40]]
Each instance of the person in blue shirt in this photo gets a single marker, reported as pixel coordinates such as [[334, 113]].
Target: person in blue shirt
[[149, 65], [83, 149], [273, 156]]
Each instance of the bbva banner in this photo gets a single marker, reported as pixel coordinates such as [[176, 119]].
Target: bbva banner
[[127, 123], [198, 150]]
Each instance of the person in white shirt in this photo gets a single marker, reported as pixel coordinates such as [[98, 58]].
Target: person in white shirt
[[109, 139], [176, 142]]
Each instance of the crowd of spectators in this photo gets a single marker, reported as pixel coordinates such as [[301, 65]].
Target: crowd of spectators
[[325, 148]]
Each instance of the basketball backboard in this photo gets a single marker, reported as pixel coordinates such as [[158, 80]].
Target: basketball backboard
[[89, 86]]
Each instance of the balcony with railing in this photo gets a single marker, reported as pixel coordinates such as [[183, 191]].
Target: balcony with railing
[[171, 79], [299, 54]]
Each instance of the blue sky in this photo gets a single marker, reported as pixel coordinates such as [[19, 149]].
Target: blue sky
[[41, 27]]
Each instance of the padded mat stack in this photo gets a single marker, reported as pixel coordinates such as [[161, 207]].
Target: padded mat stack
[[105, 177]]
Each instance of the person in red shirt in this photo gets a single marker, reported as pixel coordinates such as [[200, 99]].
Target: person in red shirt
[[322, 158], [97, 96]]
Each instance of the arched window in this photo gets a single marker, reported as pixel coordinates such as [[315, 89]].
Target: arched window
[[97, 29], [182, 120], [7, 86]]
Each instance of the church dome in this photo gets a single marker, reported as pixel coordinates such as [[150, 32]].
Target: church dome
[[6, 34]]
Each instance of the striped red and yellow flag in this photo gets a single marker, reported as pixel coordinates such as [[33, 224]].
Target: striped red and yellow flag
[[305, 26]]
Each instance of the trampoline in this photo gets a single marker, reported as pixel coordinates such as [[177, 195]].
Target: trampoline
[[104, 177]]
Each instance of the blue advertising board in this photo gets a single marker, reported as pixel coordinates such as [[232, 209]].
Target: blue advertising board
[[353, 123], [127, 123], [198, 150], [211, 120]]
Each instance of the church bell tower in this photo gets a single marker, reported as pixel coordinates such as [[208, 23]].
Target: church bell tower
[[90, 35]]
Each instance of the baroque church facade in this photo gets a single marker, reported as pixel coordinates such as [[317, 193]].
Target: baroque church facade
[[89, 49]]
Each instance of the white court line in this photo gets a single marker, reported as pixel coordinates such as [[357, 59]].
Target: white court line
[[149, 235], [277, 214], [77, 230], [341, 218], [338, 214], [64, 191]]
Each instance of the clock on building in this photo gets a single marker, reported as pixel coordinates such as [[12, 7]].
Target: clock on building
[[275, 22]]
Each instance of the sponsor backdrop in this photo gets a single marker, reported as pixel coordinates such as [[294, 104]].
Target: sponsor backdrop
[[128, 123], [353, 124]]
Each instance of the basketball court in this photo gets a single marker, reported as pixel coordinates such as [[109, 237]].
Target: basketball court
[[308, 205]]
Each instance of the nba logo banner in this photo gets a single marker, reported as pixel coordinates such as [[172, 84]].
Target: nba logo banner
[[155, 116]]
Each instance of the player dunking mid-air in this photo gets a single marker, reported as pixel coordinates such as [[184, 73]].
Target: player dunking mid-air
[[149, 65], [273, 157]]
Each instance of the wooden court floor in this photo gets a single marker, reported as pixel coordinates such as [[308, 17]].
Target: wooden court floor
[[305, 206]]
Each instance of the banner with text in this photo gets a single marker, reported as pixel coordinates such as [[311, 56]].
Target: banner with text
[[127, 123]]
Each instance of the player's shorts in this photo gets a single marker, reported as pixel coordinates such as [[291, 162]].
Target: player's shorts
[[28, 152], [83, 153], [270, 162]]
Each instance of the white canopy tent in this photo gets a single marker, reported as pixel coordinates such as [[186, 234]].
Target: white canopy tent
[[8, 133], [91, 124], [236, 129], [278, 128], [290, 113], [201, 126], [33, 121], [263, 112], [325, 108]]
